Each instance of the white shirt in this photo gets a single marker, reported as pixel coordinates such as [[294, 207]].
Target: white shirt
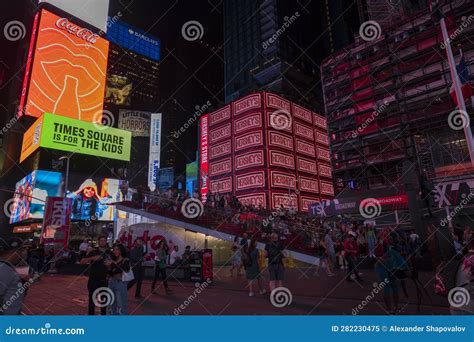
[[173, 257]]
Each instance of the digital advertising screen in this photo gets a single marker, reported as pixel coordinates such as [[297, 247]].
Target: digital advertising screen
[[68, 71], [118, 90], [31, 192]]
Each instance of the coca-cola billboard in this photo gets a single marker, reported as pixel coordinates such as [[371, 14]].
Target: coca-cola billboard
[[324, 170], [250, 180], [308, 184], [302, 113], [306, 165], [281, 159], [248, 140], [220, 133], [252, 121], [320, 121], [275, 101], [305, 202], [220, 167], [221, 186], [326, 188], [255, 199], [219, 150], [304, 131], [247, 103], [284, 199], [305, 148], [278, 139], [321, 138], [323, 153], [80, 32], [220, 115], [282, 180], [252, 159]]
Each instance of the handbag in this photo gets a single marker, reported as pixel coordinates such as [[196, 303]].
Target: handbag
[[128, 276]]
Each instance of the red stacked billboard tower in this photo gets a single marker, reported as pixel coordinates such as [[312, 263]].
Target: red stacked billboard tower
[[267, 151]]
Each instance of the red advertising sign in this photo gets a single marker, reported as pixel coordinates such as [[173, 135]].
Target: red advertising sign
[[220, 167], [220, 115], [324, 170], [308, 185], [56, 222], [282, 180], [306, 165], [250, 180], [282, 159], [250, 102], [203, 160], [248, 122], [222, 149], [255, 199], [252, 159], [397, 200], [305, 202], [220, 133], [305, 148], [323, 153], [321, 138], [320, 121], [284, 199], [302, 113], [274, 101], [248, 140], [280, 140], [221, 185], [303, 131], [327, 188]]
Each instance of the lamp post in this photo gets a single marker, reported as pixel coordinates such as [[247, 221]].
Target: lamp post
[[66, 180]]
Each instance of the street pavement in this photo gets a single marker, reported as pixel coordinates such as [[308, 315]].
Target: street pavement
[[311, 295]]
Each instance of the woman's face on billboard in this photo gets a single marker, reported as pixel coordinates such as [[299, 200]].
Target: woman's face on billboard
[[89, 192]]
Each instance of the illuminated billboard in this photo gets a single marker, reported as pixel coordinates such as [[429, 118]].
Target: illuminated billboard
[[65, 134], [68, 70], [31, 192]]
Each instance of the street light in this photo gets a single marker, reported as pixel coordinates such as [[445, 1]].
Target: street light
[[66, 181]]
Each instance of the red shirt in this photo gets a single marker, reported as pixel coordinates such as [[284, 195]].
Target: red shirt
[[350, 247]]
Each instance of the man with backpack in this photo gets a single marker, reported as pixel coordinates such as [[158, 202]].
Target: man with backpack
[[274, 252]]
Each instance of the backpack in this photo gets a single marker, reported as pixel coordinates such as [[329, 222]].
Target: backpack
[[445, 278]]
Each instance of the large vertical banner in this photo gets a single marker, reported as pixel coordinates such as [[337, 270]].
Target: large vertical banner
[[203, 160], [56, 223], [155, 149]]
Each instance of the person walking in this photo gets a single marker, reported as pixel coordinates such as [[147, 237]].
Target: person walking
[[371, 239], [160, 267], [274, 252], [236, 257], [252, 268], [137, 254], [351, 252], [330, 249], [97, 272], [118, 265], [322, 259]]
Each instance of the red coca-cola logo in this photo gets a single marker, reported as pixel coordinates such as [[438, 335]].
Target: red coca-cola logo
[[247, 103], [280, 140], [323, 153], [307, 165], [324, 170], [322, 138], [282, 180], [249, 160], [305, 148], [253, 199], [220, 133], [278, 102], [219, 116], [285, 200], [80, 32], [320, 121], [327, 188], [220, 150], [224, 166], [304, 131], [308, 185], [248, 122], [250, 180], [221, 185], [248, 140], [282, 159], [302, 113]]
